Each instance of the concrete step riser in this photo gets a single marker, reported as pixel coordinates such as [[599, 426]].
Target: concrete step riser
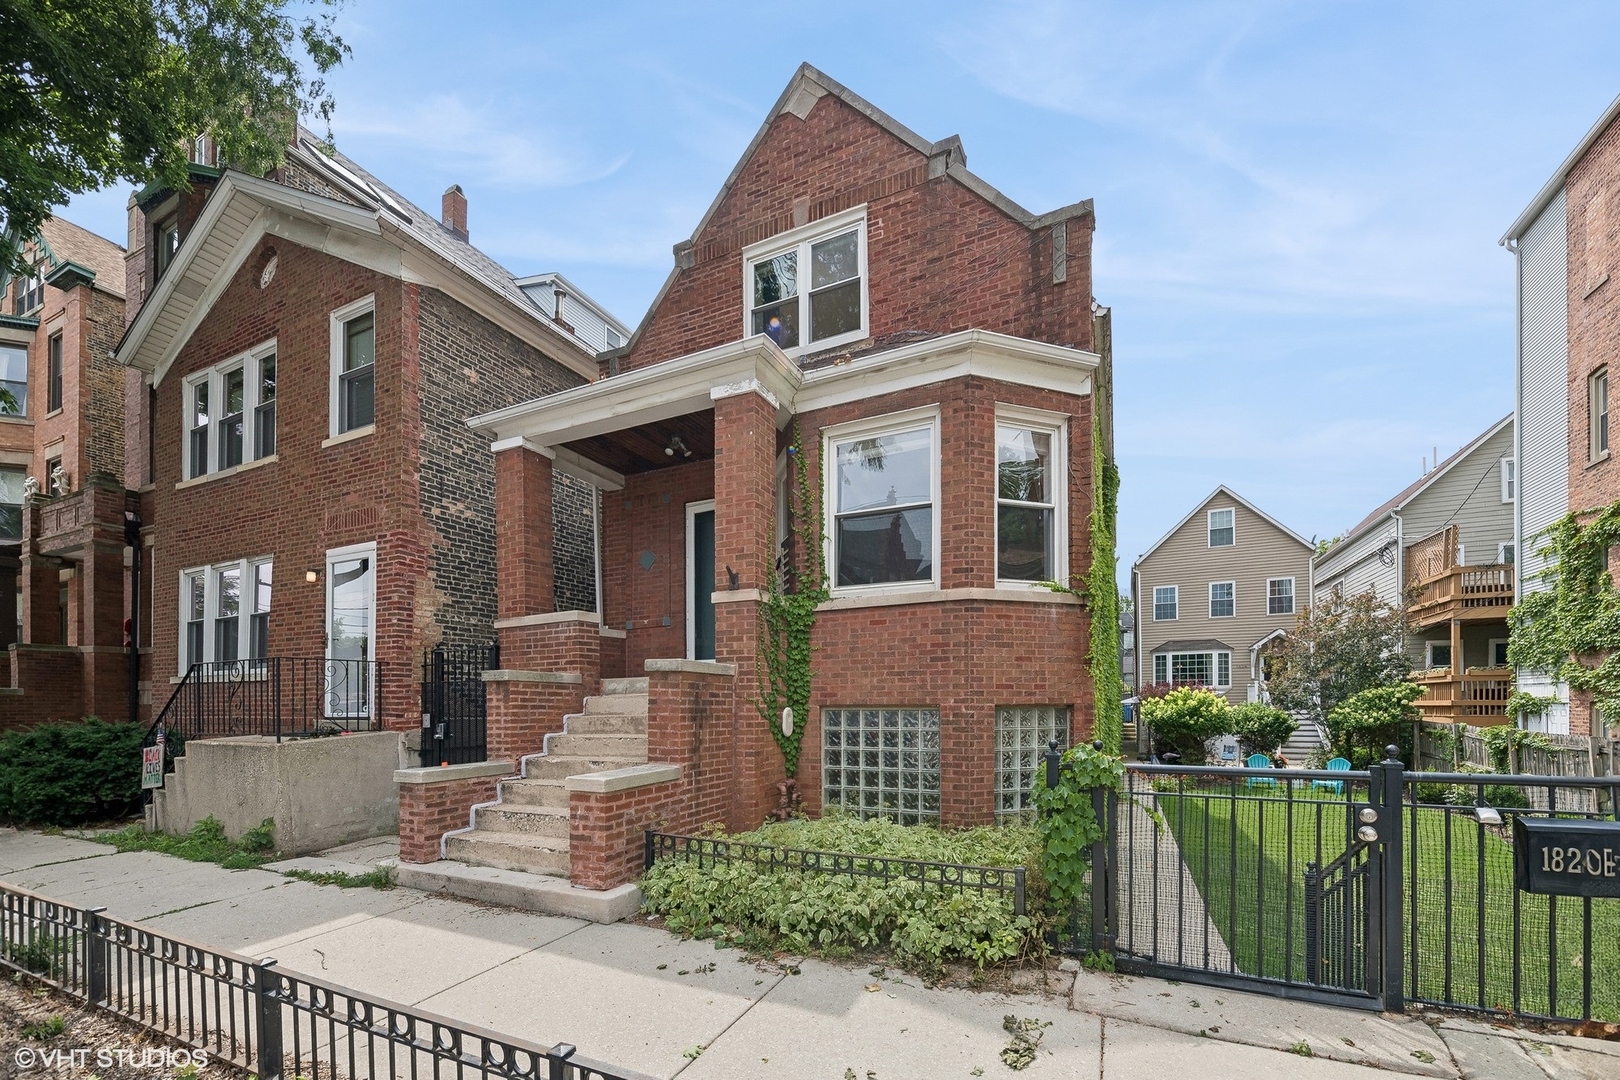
[[624, 747], [558, 768], [535, 793], [606, 724], [489, 850], [617, 705], [493, 819], [625, 686]]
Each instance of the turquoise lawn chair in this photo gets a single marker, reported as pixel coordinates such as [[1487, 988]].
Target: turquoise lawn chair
[[1260, 761], [1337, 764]]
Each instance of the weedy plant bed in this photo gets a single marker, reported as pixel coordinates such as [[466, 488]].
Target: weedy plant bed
[[921, 927], [206, 842]]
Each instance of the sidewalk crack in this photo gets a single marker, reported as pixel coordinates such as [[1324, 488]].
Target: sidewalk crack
[[722, 1032]]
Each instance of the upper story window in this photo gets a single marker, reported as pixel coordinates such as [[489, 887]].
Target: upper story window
[[1029, 491], [53, 373], [14, 380], [30, 293], [1510, 480], [1221, 530], [1597, 415], [1165, 603], [354, 382], [883, 478], [1222, 599], [165, 245], [806, 289], [228, 418], [1280, 596]]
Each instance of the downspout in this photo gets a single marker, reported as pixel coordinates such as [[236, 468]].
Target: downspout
[[1519, 720]]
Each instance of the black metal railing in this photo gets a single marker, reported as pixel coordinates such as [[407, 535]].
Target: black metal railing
[[254, 1013], [1004, 880], [280, 696], [454, 709]]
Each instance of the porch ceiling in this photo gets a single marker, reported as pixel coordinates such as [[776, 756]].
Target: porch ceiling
[[642, 448]]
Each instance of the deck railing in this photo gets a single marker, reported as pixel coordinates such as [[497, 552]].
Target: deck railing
[[1477, 696]]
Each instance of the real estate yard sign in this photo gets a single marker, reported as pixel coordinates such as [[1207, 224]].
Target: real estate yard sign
[[152, 764]]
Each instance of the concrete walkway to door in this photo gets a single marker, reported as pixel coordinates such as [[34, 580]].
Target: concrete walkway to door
[[640, 998]]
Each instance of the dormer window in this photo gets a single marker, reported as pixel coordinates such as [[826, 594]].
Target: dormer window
[[30, 293], [806, 289]]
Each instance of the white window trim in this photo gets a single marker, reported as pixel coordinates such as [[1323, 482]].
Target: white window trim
[[1501, 553], [1209, 525], [1056, 425], [889, 423], [244, 621], [1155, 602], [801, 238], [214, 377], [335, 327], [1510, 479], [1428, 653], [693, 509], [341, 554], [1293, 597], [1214, 667], [1490, 649], [1212, 600]]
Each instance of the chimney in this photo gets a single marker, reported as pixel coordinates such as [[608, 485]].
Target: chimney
[[455, 211]]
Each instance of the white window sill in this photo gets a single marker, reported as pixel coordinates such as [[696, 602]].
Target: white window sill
[[349, 436], [13, 418], [931, 595], [220, 474]]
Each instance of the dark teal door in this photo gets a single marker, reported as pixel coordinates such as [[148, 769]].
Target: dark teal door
[[702, 598]]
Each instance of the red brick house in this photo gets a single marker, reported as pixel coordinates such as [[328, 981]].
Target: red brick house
[[62, 495], [311, 345], [935, 352]]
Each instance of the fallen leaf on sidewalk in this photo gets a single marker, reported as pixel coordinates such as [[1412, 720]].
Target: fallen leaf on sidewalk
[[1424, 1056], [872, 988]]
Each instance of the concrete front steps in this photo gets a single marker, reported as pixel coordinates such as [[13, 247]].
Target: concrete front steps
[[526, 829]]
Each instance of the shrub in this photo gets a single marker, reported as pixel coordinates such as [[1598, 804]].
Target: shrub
[[70, 773], [834, 914], [1374, 718], [1185, 719], [1261, 728]]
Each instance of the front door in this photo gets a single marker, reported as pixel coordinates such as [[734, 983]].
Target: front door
[[351, 591], [700, 580]]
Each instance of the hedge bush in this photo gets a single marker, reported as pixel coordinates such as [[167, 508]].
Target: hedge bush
[[70, 773], [1185, 719], [832, 914], [1261, 728]]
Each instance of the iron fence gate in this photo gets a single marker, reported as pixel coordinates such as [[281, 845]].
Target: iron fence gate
[[454, 712]]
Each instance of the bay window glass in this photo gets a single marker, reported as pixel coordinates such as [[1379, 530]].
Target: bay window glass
[[883, 522], [357, 382], [13, 380], [1025, 504], [1213, 669], [11, 502]]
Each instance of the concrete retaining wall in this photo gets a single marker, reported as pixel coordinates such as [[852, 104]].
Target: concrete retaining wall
[[320, 792]]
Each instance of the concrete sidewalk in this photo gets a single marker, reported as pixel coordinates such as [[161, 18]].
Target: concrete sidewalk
[[643, 999]]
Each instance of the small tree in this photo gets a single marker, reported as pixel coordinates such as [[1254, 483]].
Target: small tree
[[1373, 719], [1261, 728], [1339, 647], [1185, 719]]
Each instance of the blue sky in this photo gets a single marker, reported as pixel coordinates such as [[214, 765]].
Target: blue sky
[[1298, 204]]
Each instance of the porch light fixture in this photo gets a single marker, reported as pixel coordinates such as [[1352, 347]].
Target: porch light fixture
[[675, 444], [1487, 815], [312, 575]]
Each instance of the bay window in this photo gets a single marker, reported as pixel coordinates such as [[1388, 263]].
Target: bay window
[[14, 379], [807, 288], [1212, 669], [230, 412], [883, 480], [1030, 485]]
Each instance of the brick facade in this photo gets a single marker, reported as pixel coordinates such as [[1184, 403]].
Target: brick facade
[[428, 811]]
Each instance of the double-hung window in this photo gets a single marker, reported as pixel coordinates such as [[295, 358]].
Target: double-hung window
[[354, 354], [225, 612], [1029, 499], [14, 380], [883, 480], [1510, 479], [1165, 603], [29, 294], [1221, 529], [1222, 599], [1280, 596], [1597, 415], [12, 482], [231, 413], [53, 372], [806, 289], [165, 245]]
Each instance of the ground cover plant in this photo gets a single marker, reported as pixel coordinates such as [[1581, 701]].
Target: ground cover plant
[[206, 842], [70, 773], [922, 927]]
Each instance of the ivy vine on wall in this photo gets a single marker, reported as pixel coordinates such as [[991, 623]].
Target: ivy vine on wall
[[1571, 630], [1102, 594]]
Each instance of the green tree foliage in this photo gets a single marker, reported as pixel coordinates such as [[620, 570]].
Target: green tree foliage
[[1185, 719], [1364, 724], [1339, 647], [1261, 728], [1572, 630], [97, 91], [69, 774]]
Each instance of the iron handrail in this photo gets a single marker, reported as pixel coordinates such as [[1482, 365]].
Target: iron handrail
[[1240, 771]]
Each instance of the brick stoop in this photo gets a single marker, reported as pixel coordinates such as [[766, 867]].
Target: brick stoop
[[526, 828]]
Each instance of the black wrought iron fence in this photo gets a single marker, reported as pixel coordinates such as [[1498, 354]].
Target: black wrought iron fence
[[454, 706], [1004, 880], [279, 1023]]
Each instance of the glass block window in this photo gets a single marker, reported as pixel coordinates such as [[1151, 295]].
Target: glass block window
[[882, 763], [1022, 735]]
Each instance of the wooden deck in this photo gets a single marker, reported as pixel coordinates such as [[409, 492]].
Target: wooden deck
[[1478, 696]]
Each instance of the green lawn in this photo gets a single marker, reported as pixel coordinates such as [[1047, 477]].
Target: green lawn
[[1268, 838]]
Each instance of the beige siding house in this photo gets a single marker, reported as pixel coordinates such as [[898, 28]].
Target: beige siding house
[[1216, 588]]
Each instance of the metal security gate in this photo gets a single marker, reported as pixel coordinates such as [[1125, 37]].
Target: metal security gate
[[1282, 881], [454, 713]]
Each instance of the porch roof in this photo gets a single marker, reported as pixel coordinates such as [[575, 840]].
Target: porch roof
[[688, 384]]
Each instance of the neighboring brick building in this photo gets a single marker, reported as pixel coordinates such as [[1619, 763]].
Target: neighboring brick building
[[1566, 246], [855, 293], [311, 346], [62, 555]]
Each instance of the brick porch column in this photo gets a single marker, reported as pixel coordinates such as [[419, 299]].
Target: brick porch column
[[41, 604], [523, 532], [744, 508]]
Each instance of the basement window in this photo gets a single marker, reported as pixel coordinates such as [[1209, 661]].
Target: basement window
[[882, 763], [1022, 735]]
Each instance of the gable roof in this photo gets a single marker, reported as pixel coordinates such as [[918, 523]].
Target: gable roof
[[243, 208], [1417, 487], [809, 86], [1222, 489], [73, 243], [1553, 186]]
